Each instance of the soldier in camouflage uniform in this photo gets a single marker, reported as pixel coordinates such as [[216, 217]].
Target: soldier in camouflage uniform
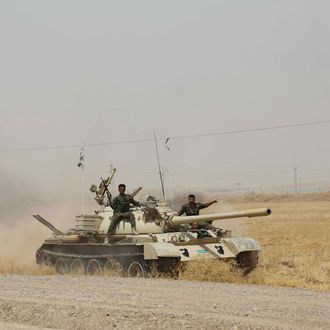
[[121, 207], [192, 208]]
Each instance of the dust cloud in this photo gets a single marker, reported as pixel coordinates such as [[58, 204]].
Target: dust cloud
[[20, 233]]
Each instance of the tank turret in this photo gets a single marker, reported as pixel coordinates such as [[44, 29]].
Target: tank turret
[[156, 217]]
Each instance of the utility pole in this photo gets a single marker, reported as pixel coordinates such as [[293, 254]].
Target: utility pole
[[295, 180], [159, 169]]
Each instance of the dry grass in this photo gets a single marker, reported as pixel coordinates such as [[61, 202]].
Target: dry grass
[[211, 270], [295, 242], [18, 269], [272, 197]]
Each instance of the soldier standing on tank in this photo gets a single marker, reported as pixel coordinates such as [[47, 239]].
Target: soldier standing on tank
[[121, 210], [192, 208]]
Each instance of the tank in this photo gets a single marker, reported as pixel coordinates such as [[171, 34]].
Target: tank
[[164, 243]]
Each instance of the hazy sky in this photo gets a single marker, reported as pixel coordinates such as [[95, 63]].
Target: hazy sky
[[107, 71]]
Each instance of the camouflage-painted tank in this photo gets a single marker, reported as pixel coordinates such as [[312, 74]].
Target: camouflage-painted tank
[[164, 241]]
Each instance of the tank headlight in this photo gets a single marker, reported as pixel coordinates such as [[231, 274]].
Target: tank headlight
[[174, 238], [220, 249], [185, 252], [182, 238]]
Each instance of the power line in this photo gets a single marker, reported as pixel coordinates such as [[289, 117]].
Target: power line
[[179, 137], [76, 145], [255, 129]]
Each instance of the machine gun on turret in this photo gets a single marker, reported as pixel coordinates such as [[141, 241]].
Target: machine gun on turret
[[103, 189]]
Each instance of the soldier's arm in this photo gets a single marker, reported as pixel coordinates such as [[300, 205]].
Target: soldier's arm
[[182, 210], [114, 203], [204, 205], [134, 202]]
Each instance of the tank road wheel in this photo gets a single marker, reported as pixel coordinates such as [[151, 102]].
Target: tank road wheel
[[93, 267], [77, 267], [61, 266], [136, 269], [248, 261], [112, 268], [44, 259]]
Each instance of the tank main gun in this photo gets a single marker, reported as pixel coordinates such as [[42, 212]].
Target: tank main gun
[[181, 220]]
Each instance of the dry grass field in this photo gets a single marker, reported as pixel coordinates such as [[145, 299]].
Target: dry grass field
[[295, 243]]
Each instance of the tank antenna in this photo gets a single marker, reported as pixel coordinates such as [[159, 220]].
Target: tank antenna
[[82, 165], [160, 172]]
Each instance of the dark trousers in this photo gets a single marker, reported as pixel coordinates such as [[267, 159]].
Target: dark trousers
[[120, 216], [205, 225]]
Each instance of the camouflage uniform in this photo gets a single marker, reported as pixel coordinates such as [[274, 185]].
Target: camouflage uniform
[[193, 209], [121, 207]]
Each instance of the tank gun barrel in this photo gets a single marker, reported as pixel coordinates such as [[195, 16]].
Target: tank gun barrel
[[180, 220]]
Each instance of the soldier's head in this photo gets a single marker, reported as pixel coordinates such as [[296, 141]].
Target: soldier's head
[[121, 189], [191, 198]]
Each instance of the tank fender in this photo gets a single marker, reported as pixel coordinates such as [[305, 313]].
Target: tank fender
[[153, 251], [240, 244]]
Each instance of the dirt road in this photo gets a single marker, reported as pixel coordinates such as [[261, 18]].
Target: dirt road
[[81, 302]]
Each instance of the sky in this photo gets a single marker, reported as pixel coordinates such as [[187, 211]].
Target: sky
[[75, 72]]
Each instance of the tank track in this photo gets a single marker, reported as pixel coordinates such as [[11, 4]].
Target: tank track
[[126, 261], [89, 256], [247, 261], [121, 259]]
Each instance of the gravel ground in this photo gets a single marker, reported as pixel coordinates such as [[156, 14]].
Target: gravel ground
[[83, 302]]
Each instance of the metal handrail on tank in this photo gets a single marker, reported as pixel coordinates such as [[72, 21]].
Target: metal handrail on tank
[[180, 220], [48, 224]]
